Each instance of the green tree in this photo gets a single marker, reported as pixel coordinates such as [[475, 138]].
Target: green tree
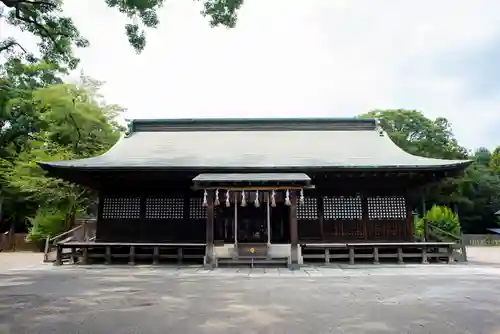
[[475, 194], [58, 34], [419, 135], [479, 189], [19, 118], [74, 122], [483, 156], [495, 160]]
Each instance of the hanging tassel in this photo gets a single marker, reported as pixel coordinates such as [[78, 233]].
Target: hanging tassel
[[287, 198], [205, 203], [243, 199], [228, 202], [273, 199], [257, 203], [216, 202], [301, 198]]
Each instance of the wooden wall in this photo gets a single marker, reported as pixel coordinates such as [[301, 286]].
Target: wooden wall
[[151, 218], [341, 218], [321, 218], [340, 208]]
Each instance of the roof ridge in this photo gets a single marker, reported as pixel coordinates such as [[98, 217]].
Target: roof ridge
[[252, 124]]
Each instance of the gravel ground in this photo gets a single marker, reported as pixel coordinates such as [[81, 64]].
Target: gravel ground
[[484, 255], [38, 298]]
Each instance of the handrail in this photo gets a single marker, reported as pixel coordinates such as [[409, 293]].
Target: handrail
[[448, 234], [458, 239], [67, 232], [51, 241]]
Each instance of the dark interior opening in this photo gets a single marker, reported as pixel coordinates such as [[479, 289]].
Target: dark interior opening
[[280, 224]]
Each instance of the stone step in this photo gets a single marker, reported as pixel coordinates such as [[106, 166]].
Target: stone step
[[253, 261]]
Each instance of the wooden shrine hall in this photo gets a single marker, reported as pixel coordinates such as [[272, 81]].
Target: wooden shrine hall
[[254, 190]]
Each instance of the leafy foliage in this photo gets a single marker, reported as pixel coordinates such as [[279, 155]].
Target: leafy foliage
[[442, 217], [476, 193], [46, 222], [43, 120], [43, 19], [480, 186], [494, 162], [419, 135], [58, 35]]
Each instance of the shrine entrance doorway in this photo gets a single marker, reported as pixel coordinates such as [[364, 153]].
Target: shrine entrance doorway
[[252, 225]]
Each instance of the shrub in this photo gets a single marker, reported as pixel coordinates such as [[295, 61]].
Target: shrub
[[441, 217], [46, 222]]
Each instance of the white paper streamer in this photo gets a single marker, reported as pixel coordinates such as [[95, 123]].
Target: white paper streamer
[[287, 198], [205, 203]]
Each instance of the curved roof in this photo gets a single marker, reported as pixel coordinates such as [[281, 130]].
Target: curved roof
[[232, 144]]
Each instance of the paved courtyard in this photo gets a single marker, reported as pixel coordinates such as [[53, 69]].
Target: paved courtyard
[[439, 299]]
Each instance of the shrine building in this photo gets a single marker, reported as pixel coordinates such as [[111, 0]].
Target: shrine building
[[252, 189]]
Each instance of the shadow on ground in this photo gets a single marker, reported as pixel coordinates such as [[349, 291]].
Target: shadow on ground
[[151, 300]]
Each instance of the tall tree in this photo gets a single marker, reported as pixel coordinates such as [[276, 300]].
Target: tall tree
[[19, 118], [495, 160], [72, 122], [475, 194], [419, 135], [483, 156], [58, 34]]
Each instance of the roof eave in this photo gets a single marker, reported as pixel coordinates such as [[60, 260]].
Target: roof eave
[[454, 166]]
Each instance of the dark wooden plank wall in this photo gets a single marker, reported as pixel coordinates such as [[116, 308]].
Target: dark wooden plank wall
[[332, 217], [328, 215], [151, 218]]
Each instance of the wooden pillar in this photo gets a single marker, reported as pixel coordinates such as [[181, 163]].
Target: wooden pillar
[[294, 232], [367, 227], [451, 256], [424, 255], [268, 218], [131, 255], [179, 255], [409, 231], [376, 259], [85, 259], [319, 200], [209, 249], [400, 255], [424, 208], [58, 255], [107, 255], [156, 255], [235, 221], [73, 255]]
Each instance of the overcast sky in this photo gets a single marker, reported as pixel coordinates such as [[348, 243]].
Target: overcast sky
[[297, 58]]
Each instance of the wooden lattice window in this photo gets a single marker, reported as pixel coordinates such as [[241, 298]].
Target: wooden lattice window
[[386, 207], [308, 210], [343, 208], [121, 208], [164, 208], [196, 209]]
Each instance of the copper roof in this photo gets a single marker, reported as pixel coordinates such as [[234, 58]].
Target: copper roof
[[257, 144]]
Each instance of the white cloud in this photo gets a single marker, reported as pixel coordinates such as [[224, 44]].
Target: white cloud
[[297, 58]]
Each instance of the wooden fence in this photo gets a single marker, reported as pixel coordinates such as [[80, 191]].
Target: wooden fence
[[17, 242], [481, 239]]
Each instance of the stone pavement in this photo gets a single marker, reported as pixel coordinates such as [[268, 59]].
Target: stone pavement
[[304, 272]]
